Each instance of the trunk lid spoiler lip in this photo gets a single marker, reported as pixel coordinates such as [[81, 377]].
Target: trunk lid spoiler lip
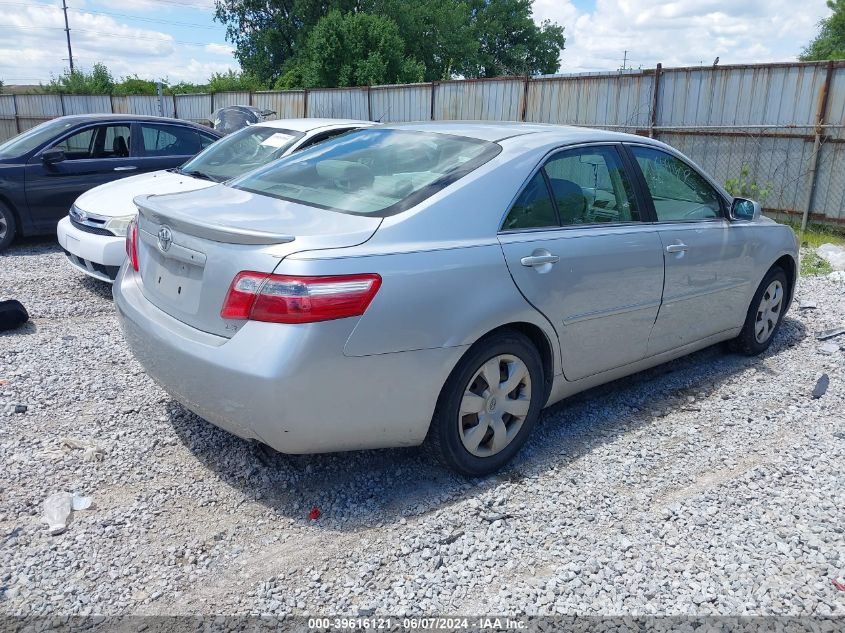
[[206, 230]]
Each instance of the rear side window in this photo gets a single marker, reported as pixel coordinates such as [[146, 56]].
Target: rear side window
[[678, 191], [169, 140], [371, 172], [590, 186]]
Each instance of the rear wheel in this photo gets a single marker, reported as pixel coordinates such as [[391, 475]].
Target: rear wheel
[[8, 226], [489, 405], [764, 314]]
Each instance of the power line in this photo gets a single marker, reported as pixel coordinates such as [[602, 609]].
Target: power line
[[119, 15], [105, 34]]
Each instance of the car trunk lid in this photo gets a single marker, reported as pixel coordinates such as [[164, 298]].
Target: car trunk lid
[[191, 246]]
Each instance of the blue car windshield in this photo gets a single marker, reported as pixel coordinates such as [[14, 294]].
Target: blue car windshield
[[375, 172], [27, 141]]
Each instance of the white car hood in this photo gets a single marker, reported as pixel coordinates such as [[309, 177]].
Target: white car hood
[[115, 198]]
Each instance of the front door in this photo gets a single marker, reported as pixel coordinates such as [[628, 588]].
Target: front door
[[709, 264], [577, 250], [93, 156]]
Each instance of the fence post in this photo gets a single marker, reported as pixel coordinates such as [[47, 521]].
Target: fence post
[[369, 104], [305, 104], [433, 88], [655, 100], [15, 108], [62, 102], [525, 99], [821, 114]]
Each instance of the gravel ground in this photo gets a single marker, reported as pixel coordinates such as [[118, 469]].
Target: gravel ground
[[711, 485]]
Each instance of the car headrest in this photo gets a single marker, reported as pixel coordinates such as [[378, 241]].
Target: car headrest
[[345, 174], [571, 201], [119, 146]]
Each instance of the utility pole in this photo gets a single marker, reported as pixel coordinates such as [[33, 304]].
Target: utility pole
[[67, 32], [624, 59]]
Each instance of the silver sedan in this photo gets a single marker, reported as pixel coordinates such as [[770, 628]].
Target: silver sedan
[[442, 283]]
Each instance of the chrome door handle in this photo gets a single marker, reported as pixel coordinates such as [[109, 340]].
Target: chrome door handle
[[676, 248], [539, 260], [127, 168]]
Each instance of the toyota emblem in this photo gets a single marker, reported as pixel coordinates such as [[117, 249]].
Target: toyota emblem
[[165, 238]]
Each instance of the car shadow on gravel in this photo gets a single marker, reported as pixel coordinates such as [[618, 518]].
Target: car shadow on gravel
[[100, 288], [38, 245], [358, 490]]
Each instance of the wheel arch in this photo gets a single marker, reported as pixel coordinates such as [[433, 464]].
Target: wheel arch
[[539, 338], [5, 201], [790, 267]]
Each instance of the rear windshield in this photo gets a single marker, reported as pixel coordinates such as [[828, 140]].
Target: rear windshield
[[371, 172], [241, 151]]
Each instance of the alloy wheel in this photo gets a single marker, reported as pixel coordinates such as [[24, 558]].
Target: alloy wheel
[[768, 312], [494, 405]]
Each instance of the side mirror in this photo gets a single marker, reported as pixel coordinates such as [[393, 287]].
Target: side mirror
[[53, 156], [743, 209]]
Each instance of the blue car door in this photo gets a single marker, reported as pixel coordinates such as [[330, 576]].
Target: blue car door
[[166, 145], [92, 155]]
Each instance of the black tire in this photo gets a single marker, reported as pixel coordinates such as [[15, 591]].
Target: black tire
[[746, 342], [444, 438], [8, 227]]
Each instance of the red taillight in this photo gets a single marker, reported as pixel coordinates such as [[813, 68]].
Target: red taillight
[[132, 244], [287, 299]]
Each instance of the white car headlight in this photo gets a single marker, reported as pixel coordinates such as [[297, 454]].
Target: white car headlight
[[119, 224]]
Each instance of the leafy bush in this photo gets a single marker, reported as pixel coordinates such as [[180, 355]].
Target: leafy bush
[[79, 82], [745, 187]]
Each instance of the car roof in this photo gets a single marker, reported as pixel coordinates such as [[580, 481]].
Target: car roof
[[94, 118], [306, 125], [497, 131]]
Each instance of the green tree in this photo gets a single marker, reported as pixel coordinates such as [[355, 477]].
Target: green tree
[[829, 43], [352, 49], [268, 33], [234, 81], [510, 41], [1, 86], [96, 82], [134, 85], [473, 38]]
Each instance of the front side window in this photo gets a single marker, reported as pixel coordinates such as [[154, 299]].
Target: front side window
[[104, 141], [241, 151], [169, 140], [589, 186], [371, 172], [678, 191]]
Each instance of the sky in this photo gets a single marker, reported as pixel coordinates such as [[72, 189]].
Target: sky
[[180, 41]]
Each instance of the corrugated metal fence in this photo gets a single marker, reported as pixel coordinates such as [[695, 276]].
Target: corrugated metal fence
[[783, 125]]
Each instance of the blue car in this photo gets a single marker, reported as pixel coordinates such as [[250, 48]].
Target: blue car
[[43, 170]]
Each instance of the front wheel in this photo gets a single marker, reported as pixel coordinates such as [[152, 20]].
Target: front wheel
[[764, 314], [7, 226], [489, 405]]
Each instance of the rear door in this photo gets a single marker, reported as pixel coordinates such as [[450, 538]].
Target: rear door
[[94, 155], [709, 264], [577, 249], [163, 145]]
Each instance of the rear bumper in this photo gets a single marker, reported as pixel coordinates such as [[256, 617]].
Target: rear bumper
[[288, 386], [99, 256]]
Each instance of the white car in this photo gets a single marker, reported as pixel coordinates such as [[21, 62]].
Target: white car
[[93, 234]]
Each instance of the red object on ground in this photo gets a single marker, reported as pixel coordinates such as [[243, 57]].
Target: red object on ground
[[315, 513], [838, 584]]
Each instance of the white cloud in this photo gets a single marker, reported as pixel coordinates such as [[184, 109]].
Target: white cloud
[[219, 49], [33, 48], [682, 32]]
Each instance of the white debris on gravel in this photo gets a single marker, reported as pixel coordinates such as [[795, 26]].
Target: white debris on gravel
[[713, 484]]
